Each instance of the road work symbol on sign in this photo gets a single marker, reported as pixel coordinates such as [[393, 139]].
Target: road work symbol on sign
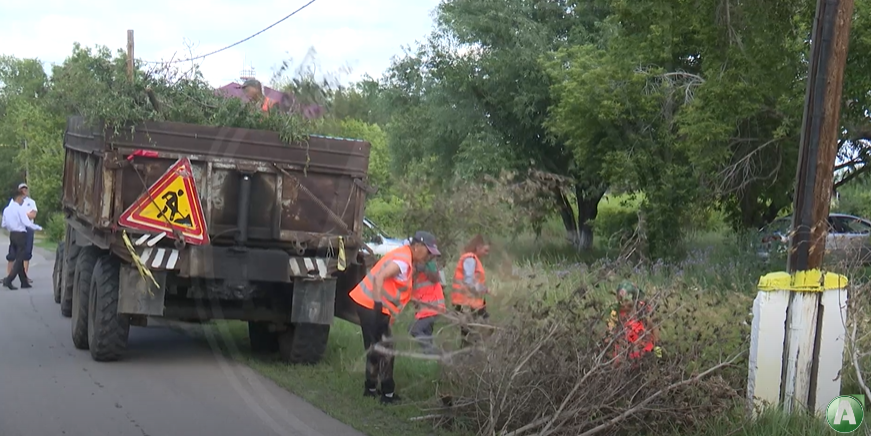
[[172, 202]]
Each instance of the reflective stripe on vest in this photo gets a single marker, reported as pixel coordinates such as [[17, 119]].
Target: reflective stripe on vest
[[462, 295], [395, 294]]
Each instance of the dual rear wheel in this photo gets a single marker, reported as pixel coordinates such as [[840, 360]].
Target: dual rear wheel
[[86, 284]]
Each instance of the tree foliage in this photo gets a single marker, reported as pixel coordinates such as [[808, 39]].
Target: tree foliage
[[695, 107]]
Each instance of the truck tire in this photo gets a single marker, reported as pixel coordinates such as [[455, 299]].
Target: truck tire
[[107, 329], [57, 273], [71, 255], [85, 263], [262, 340], [304, 343]]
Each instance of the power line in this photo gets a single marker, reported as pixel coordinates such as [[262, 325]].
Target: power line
[[235, 43]]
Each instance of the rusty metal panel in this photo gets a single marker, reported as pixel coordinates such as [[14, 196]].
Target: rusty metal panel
[[301, 194], [319, 154]]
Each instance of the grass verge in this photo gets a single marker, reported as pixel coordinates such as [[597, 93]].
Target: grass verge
[[336, 384]]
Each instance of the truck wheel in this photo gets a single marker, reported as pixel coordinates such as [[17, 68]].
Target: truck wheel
[[71, 254], [57, 274], [262, 340], [85, 263], [304, 343], [107, 329]]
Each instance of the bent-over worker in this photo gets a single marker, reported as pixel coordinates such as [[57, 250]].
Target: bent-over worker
[[633, 315], [429, 299], [254, 91], [380, 298], [470, 283]]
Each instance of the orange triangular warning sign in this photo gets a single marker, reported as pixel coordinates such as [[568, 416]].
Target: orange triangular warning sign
[[172, 202]]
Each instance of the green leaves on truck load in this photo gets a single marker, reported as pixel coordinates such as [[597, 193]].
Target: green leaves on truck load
[[94, 83]]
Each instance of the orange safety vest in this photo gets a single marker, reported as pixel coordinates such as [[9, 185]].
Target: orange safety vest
[[395, 294], [639, 341], [267, 104], [461, 295], [429, 294]]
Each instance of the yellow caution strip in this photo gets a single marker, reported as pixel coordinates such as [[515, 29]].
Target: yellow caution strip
[[143, 270], [343, 263]]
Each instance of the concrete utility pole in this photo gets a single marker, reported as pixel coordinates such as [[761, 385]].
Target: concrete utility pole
[[131, 66], [797, 340]]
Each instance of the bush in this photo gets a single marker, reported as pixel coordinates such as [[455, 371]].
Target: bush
[[386, 212], [613, 222], [55, 227]]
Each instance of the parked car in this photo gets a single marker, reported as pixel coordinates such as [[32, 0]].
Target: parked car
[[848, 236], [378, 240], [381, 244]]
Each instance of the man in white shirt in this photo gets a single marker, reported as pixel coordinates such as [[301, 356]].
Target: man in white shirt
[[16, 221], [30, 207]]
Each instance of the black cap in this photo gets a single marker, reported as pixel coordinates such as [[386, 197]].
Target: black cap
[[428, 239]]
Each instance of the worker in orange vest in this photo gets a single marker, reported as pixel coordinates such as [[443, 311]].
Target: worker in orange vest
[[629, 325], [380, 298], [254, 91], [429, 299], [470, 284]]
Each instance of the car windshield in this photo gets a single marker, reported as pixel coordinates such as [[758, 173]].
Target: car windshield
[[848, 224], [373, 230]]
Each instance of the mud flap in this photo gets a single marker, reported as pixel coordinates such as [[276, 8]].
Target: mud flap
[[313, 301], [134, 298]]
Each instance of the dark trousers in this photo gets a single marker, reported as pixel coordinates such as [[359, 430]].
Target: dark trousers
[[379, 366], [19, 241], [421, 331], [477, 314], [28, 248]]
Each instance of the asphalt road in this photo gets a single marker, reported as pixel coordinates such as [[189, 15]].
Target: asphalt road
[[168, 385]]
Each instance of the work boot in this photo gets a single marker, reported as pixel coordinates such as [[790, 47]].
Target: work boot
[[395, 398]]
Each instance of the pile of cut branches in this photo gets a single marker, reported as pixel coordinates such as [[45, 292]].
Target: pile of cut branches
[[93, 83], [550, 369]]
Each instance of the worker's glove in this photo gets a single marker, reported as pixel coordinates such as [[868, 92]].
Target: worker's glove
[[657, 351]]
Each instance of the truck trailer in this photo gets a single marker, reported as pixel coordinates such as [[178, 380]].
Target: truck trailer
[[195, 223]]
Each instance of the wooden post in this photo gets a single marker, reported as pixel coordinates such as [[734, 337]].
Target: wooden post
[[131, 65], [815, 311]]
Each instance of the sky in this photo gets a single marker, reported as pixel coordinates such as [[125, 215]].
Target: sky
[[360, 34]]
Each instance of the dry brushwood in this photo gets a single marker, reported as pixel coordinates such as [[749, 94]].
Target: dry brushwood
[[858, 343], [550, 370]]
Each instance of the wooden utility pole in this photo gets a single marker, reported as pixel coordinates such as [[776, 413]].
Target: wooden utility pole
[[131, 66], [813, 346], [820, 132]]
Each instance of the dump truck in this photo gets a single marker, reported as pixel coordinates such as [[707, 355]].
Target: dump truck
[[194, 223]]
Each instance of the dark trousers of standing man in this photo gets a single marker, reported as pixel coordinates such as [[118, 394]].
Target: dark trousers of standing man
[[18, 240], [379, 366]]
